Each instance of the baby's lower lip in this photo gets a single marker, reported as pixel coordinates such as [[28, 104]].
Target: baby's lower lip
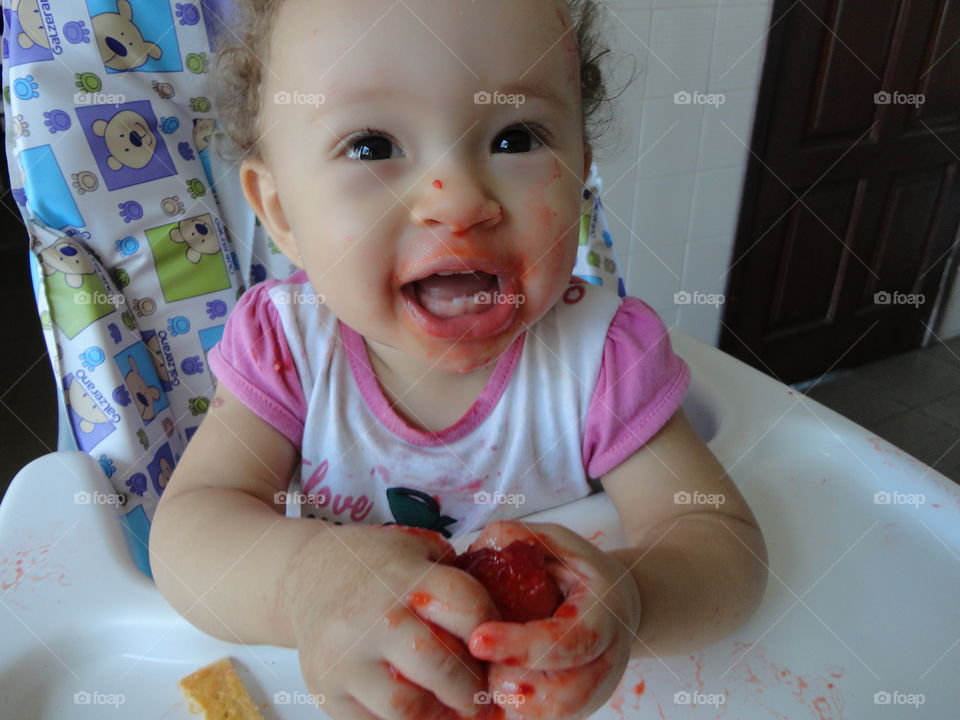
[[487, 317]]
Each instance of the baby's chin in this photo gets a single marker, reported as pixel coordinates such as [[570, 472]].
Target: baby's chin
[[463, 358]]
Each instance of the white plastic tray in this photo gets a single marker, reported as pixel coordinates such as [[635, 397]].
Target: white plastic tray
[[862, 597]]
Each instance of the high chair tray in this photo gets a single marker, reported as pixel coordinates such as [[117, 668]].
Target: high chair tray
[[860, 618]]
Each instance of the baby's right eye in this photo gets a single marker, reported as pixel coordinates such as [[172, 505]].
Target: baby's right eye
[[370, 145]]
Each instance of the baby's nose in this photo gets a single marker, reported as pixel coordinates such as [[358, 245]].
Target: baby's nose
[[455, 204]]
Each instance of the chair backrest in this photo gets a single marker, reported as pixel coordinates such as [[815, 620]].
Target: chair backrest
[[140, 237]]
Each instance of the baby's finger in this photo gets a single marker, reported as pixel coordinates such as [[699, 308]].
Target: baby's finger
[[347, 707], [389, 695], [439, 662], [500, 533], [551, 644], [437, 549], [453, 600], [571, 693], [578, 632]]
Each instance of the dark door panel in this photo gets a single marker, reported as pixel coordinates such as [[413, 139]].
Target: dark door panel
[[852, 204]]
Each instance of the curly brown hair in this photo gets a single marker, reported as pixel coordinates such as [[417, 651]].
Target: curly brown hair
[[242, 59]]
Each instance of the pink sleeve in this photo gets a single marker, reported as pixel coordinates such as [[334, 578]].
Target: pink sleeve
[[640, 386], [253, 360]]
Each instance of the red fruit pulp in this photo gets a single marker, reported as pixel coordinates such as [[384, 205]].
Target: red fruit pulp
[[516, 578]]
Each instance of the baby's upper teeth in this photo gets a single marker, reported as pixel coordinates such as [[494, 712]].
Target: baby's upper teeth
[[447, 272]]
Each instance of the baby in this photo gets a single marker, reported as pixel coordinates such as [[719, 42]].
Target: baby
[[421, 163]]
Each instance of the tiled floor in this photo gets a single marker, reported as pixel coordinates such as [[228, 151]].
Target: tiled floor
[[912, 400]]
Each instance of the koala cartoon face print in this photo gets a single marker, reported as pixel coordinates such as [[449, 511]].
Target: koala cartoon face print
[[121, 43]]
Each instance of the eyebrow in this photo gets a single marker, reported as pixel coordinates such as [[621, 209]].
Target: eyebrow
[[537, 90], [527, 89]]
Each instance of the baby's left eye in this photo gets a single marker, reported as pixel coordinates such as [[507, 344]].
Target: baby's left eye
[[371, 145], [519, 139]]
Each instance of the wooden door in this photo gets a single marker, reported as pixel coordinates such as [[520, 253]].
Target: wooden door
[[852, 199]]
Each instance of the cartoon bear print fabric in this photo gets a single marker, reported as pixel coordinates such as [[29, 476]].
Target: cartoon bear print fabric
[[109, 118], [108, 124]]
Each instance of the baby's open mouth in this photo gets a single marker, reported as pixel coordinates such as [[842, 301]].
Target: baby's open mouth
[[451, 294], [454, 299]]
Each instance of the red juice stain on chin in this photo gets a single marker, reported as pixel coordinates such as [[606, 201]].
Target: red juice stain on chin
[[438, 184], [640, 687]]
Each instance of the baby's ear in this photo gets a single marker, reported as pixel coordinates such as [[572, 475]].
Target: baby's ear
[[260, 190]]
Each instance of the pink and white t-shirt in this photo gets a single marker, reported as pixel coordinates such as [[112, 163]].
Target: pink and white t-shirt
[[574, 396]]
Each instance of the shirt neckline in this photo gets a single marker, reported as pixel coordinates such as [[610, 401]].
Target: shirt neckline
[[378, 403]]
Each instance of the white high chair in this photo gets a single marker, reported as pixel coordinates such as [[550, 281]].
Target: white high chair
[[860, 616]]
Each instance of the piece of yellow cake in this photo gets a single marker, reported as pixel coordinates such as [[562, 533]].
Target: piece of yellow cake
[[217, 692]]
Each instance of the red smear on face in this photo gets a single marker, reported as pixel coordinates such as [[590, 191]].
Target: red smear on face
[[640, 687], [525, 689], [572, 58], [438, 185], [516, 578]]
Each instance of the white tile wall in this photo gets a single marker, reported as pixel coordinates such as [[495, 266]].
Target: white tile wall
[[673, 173]]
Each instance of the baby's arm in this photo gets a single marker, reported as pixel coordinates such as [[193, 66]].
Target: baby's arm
[[701, 569], [379, 623], [217, 527]]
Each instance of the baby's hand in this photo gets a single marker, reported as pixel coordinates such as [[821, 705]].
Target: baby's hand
[[381, 625], [585, 645]]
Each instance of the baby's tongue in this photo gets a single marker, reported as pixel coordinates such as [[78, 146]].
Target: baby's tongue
[[452, 295]]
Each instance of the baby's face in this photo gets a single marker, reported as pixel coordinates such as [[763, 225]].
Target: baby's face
[[402, 172]]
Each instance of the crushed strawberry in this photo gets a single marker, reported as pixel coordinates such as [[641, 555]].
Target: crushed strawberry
[[516, 579]]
